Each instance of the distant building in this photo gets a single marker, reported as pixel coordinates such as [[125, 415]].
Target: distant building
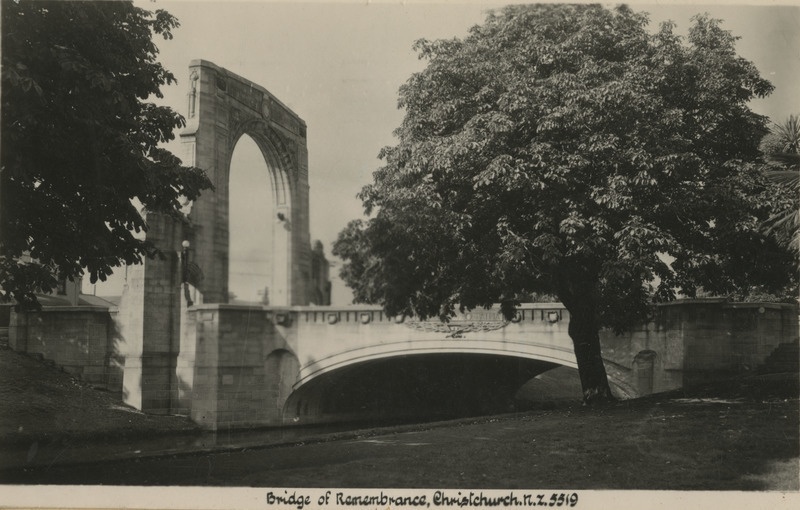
[[320, 276], [341, 294], [66, 293]]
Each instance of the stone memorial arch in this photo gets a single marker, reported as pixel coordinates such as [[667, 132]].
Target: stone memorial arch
[[151, 332], [222, 107]]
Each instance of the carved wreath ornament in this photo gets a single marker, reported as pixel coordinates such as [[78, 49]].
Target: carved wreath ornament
[[456, 328]]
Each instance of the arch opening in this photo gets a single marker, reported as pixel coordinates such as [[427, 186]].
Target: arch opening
[[414, 387], [259, 227]]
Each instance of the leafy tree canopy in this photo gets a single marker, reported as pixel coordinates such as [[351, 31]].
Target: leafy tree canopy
[[80, 141], [566, 150], [782, 148]]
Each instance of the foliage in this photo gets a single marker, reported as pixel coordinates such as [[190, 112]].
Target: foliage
[[564, 149], [782, 148], [80, 141]]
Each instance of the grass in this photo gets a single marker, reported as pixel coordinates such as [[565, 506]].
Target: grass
[[741, 434], [38, 402]]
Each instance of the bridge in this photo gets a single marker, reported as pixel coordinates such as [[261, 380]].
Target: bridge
[[256, 366], [326, 364], [233, 366]]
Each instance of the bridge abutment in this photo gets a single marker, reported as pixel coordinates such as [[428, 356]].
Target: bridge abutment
[[242, 363]]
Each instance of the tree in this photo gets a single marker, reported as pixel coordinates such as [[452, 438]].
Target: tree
[[80, 141], [563, 149], [782, 148]]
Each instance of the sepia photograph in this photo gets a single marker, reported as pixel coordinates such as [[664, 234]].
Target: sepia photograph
[[388, 254]]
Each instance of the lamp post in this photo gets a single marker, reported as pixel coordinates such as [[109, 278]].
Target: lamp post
[[185, 271]]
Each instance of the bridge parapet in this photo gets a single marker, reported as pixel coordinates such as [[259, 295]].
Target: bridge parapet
[[336, 336]]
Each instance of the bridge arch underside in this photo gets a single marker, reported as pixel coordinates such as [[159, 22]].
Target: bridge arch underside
[[426, 386]]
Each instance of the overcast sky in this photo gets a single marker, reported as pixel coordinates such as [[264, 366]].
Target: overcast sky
[[339, 67]]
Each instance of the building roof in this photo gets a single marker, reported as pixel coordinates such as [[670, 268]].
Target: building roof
[[83, 300]]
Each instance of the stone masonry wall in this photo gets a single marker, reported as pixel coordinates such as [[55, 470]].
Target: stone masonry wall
[[690, 341], [234, 384], [75, 338], [733, 337]]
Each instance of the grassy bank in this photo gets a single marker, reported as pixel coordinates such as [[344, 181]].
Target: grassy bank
[[740, 434], [39, 402]]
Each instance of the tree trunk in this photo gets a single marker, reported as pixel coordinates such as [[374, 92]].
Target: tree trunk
[[584, 331]]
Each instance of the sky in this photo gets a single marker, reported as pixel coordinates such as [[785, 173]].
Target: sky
[[339, 66]]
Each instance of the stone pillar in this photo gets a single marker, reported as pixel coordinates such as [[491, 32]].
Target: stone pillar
[[204, 402], [187, 353], [206, 145], [644, 369], [149, 321], [18, 332]]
